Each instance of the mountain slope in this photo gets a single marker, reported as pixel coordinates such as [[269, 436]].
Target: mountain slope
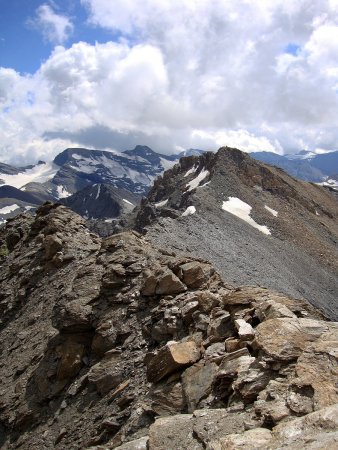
[[116, 343], [287, 241]]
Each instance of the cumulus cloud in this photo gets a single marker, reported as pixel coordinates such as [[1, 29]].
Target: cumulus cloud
[[55, 28], [258, 75]]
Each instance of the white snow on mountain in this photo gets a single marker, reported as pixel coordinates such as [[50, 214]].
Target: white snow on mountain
[[242, 210], [193, 184], [189, 211], [9, 209], [166, 164], [127, 201], [272, 211], [160, 204], [38, 174], [62, 192], [190, 171]]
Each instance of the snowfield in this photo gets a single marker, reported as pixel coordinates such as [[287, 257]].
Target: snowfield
[[242, 210], [9, 209], [38, 174]]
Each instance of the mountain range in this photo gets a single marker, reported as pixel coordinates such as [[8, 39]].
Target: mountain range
[[123, 177]]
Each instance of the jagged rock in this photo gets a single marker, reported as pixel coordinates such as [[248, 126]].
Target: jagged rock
[[168, 283], [106, 375], [273, 310], [171, 357], [104, 338], [245, 330], [285, 339], [220, 327], [194, 274], [317, 430], [73, 317], [255, 439], [317, 368], [167, 398], [210, 424], [172, 433], [207, 300], [197, 382]]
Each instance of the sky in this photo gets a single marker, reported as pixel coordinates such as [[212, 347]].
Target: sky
[[259, 75]]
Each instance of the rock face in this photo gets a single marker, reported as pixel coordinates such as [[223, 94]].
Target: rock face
[[115, 343]]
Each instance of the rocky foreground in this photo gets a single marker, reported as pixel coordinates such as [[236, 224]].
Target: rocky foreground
[[114, 343]]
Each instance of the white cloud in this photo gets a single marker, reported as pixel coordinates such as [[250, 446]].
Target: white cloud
[[55, 28], [185, 73]]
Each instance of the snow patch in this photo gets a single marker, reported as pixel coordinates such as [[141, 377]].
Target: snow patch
[[38, 174], [28, 208], [127, 201], [109, 220], [9, 209], [98, 191], [189, 211], [193, 184], [190, 171], [160, 204], [62, 192], [242, 210], [272, 211]]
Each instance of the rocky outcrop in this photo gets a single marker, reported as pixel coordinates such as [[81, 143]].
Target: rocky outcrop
[[114, 343]]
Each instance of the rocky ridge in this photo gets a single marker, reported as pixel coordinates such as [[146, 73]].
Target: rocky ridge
[[116, 343], [297, 254]]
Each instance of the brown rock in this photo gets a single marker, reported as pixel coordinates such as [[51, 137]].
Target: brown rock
[[317, 367], [197, 382], [220, 327], [52, 245], [106, 375], [71, 360], [171, 357], [194, 274], [173, 433], [168, 398], [285, 339], [168, 283]]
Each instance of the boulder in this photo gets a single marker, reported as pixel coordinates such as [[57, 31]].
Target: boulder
[[173, 433], [220, 327], [170, 358], [255, 439], [106, 375], [168, 283], [285, 339], [194, 274], [317, 367], [197, 382], [167, 398]]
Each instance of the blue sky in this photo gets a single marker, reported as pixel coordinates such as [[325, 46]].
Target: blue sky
[[259, 75], [23, 47]]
